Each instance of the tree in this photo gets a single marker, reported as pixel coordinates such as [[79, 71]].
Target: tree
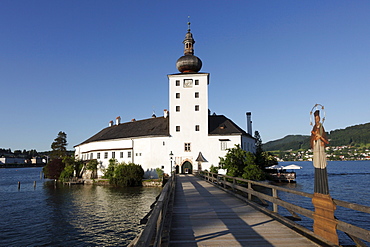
[[59, 146], [251, 170], [53, 169], [92, 166], [260, 160], [240, 163], [263, 159]]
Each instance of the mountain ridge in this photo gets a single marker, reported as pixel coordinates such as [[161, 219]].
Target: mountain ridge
[[350, 136]]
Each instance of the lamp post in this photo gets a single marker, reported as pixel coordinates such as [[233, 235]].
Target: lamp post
[[171, 158]]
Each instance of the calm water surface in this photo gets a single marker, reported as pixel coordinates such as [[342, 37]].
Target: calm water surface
[[56, 215], [348, 181]]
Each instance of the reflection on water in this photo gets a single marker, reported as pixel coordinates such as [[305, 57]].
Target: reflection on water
[[61, 215]]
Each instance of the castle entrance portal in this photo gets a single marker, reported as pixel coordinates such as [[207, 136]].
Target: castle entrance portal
[[187, 168]]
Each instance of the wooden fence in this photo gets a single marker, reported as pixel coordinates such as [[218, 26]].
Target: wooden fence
[[153, 233], [241, 186]]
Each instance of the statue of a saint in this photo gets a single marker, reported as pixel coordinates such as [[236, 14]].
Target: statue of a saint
[[318, 142]]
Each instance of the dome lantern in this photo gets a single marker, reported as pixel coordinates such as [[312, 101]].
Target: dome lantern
[[189, 63]]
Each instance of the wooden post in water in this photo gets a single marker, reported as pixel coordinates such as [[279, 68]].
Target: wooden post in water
[[34, 184], [19, 185]]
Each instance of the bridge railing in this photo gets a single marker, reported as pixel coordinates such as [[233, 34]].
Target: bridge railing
[[243, 185], [153, 233]]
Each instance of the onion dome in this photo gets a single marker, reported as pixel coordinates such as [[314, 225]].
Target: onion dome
[[189, 63]]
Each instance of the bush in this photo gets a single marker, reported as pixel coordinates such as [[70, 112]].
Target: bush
[[67, 173], [159, 172], [125, 174], [214, 169], [53, 169]]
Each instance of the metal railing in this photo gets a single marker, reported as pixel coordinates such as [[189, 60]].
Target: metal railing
[[243, 185]]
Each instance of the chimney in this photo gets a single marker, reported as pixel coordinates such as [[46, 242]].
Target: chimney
[[118, 120], [110, 123], [165, 113], [249, 123]]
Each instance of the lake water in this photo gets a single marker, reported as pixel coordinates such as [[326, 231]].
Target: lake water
[[348, 181], [86, 215], [60, 215]]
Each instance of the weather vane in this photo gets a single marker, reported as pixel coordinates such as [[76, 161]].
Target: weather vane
[[189, 23]]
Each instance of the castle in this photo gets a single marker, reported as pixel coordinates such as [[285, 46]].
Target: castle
[[186, 138]]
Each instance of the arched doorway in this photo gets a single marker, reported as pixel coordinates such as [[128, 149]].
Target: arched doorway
[[177, 169], [187, 168]]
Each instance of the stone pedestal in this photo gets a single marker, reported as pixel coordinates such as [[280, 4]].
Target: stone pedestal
[[325, 224]]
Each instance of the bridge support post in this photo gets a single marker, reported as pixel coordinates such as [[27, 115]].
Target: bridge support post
[[325, 225]]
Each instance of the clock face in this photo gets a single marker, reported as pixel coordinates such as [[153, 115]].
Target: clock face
[[188, 83]]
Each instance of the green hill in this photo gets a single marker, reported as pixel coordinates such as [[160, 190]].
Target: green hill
[[351, 136]]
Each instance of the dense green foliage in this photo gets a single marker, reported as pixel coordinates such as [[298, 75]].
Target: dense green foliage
[[214, 169], [27, 154], [53, 169], [240, 163], [159, 172], [122, 174], [63, 169], [357, 135], [263, 159]]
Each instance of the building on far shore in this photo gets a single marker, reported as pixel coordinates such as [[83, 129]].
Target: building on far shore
[[195, 137]]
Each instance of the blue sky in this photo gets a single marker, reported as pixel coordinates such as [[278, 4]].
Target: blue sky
[[73, 66]]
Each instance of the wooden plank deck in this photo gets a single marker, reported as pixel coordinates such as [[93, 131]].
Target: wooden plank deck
[[204, 215]]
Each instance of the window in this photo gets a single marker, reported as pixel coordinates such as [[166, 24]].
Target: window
[[113, 155], [164, 143], [196, 82], [196, 107], [98, 155], [187, 147], [121, 155], [177, 95], [223, 145], [188, 83], [196, 127], [91, 156], [177, 108], [196, 94], [177, 82], [129, 154], [177, 128], [105, 155]]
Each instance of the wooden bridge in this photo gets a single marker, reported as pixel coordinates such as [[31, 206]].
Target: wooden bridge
[[211, 210]]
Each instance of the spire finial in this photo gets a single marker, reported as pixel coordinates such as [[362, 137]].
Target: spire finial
[[188, 23]]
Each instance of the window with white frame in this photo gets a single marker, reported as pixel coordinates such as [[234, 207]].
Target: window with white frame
[[105, 155], [121, 155], [98, 155], [129, 154]]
